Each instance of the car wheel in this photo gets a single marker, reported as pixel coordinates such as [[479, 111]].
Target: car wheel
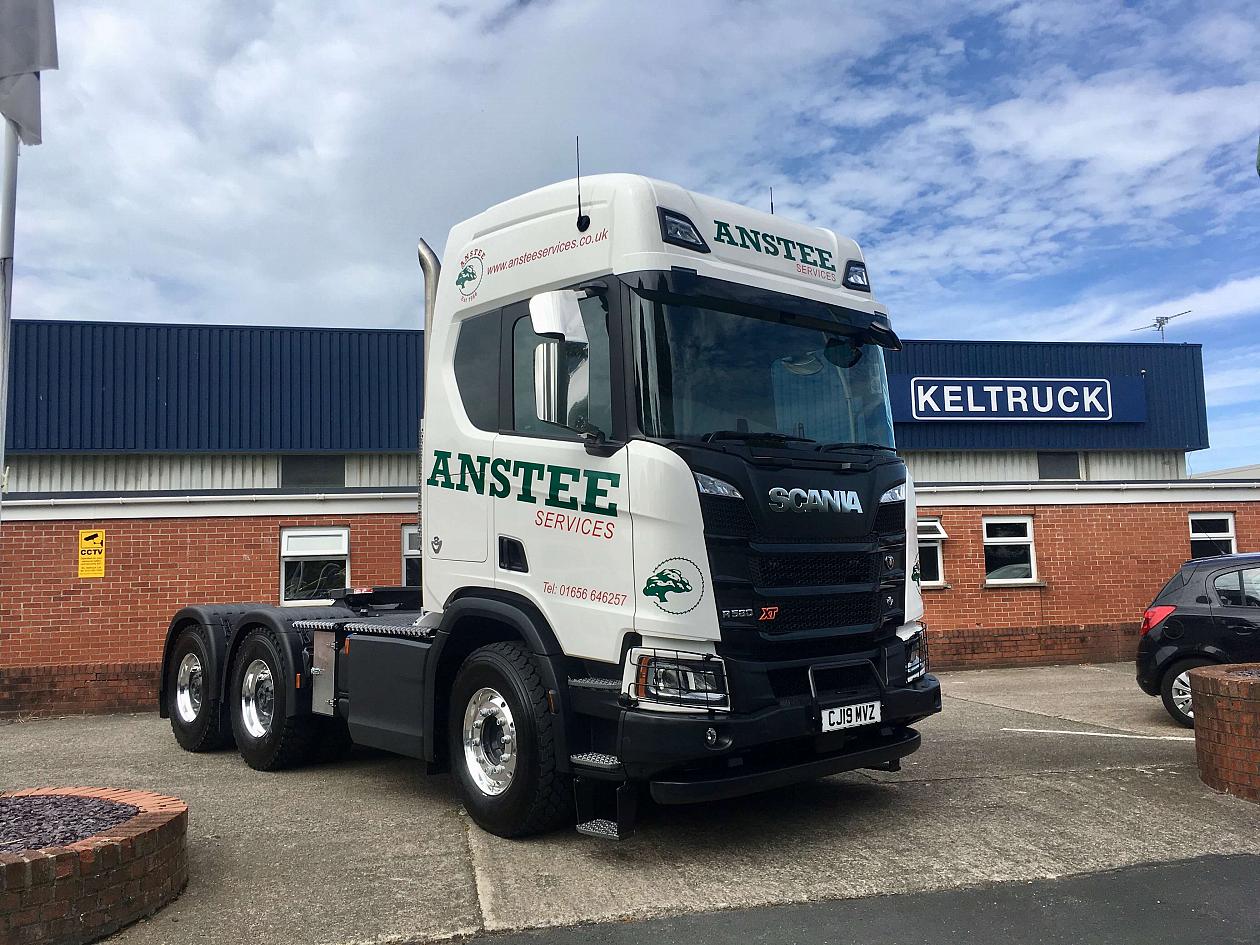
[[502, 744], [1175, 690], [266, 736], [192, 703]]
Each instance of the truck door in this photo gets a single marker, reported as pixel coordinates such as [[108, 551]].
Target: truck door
[[1236, 610], [561, 510]]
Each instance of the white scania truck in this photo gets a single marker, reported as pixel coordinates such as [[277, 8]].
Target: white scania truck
[[668, 544]]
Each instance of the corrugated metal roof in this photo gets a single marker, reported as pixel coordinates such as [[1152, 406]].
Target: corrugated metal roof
[[1170, 374], [113, 387], [93, 386]]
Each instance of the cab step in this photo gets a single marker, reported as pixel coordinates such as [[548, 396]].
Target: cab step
[[596, 764], [595, 682], [600, 827]]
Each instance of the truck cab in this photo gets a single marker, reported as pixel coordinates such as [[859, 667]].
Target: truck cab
[[663, 519]]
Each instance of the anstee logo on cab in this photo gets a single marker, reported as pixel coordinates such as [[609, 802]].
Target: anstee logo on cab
[[471, 268]]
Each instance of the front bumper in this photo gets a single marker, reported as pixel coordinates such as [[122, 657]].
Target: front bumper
[[775, 746]]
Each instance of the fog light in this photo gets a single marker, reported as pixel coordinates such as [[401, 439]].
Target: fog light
[[710, 736]]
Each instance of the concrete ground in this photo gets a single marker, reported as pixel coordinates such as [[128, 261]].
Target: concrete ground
[[1027, 775]]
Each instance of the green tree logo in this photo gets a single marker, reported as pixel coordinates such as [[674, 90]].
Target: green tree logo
[[666, 581], [466, 275]]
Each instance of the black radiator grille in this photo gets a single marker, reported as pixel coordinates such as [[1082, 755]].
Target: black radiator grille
[[891, 518], [813, 569], [725, 516], [835, 610]]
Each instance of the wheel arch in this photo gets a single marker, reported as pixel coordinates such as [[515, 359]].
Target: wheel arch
[[278, 621], [215, 619], [477, 617]]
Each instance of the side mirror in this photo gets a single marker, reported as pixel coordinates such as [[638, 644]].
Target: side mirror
[[557, 315]]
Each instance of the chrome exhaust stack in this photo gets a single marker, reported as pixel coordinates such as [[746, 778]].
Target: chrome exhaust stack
[[432, 269]]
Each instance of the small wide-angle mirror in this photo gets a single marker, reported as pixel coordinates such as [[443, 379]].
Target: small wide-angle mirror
[[557, 315], [843, 352]]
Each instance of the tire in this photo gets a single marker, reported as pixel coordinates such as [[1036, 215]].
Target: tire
[[531, 796], [198, 719], [266, 737], [1170, 689]]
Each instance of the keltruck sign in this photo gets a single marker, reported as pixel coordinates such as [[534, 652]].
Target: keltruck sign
[[1017, 398]]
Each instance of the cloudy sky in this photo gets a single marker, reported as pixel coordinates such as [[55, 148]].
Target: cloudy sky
[[1047, 170]]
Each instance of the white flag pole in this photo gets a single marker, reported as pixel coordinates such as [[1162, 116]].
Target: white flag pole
[[8, 213]]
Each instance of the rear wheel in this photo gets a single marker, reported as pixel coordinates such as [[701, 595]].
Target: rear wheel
[[502, 744], [266, 736], [1175, 690], [197, 718]]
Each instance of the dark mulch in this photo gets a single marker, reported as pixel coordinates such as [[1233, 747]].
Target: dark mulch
[[52, 820]]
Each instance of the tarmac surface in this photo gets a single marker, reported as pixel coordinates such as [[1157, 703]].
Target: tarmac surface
[[1027, 777]]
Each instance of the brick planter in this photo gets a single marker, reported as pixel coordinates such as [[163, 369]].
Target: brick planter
[[1227, 727], [86, 890]]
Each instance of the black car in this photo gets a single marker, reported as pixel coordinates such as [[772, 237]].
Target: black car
[[1208, 613]]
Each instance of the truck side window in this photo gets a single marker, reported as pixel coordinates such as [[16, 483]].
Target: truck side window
[[477, 369], [589, 391]]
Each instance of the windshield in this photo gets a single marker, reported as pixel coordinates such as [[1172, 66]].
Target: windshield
[[702, 372]]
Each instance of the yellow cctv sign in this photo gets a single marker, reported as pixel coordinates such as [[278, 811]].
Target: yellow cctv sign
[[91, 553]]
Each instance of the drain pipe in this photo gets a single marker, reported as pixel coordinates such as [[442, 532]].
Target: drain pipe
[[431, 268]]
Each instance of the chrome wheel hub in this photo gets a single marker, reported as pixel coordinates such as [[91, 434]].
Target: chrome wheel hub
[[188, 688], [258, 696], [489, 741], [1181, 694]]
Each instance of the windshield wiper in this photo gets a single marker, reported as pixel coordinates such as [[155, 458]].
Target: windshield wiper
[[827, 447], [768, 436]]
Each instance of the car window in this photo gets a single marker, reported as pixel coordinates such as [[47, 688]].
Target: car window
[[1239, 588], [1173, 585]]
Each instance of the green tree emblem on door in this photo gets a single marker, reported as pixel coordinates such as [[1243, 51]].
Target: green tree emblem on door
[[666, 581]]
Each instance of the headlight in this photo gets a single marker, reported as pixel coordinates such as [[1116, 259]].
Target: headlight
[[710, 485], [895, 494], [679, 679], [916, 656]]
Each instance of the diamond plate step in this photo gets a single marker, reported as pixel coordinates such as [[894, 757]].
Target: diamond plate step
[[595, 682], [604, 829], [597, 759]]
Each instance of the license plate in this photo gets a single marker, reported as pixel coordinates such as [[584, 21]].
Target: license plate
[[850, 716]]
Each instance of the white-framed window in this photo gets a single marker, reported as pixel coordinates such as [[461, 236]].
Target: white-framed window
[[931, 565], [314, 562], [1009, 554], [412, 555], [1211, 534]]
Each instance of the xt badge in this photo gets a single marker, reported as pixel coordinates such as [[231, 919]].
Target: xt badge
[[768, 613]]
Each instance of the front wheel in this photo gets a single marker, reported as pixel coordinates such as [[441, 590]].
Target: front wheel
[[1175, 690], [502, 744]]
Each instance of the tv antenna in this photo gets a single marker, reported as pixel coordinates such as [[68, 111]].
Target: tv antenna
[[1161, 322], [583, 221]]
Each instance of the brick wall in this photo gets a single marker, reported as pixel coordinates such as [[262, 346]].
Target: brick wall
[[1101, 565], [1227, 727], [71, 644]]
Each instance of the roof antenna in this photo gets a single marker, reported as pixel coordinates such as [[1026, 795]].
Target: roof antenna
[[583, 221], [771, 201]]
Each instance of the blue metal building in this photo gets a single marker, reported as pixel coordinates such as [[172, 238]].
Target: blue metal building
[[100, 407]]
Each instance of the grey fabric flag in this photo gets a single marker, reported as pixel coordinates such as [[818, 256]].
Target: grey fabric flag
[[28, 45]]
